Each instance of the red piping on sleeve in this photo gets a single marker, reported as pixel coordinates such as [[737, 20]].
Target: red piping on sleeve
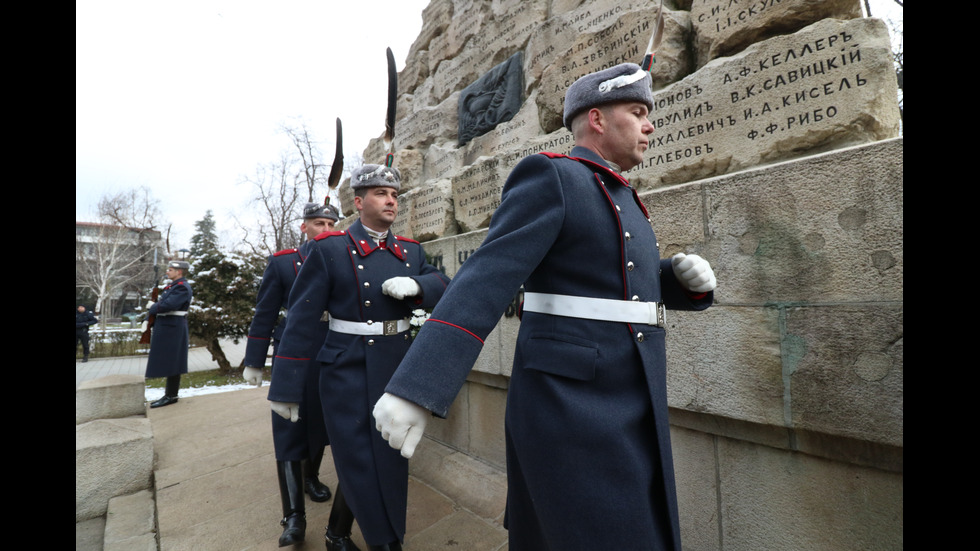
[[457, 327]]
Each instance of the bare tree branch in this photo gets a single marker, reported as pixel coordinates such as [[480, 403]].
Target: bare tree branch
[[122, 252]]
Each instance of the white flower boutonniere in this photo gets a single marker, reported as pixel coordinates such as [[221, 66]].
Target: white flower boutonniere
[[418, 318]]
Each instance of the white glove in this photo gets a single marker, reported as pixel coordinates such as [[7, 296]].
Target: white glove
[[694, 272], [149, 303], [143, 326], [286, 410], [401, 287], [252, 375], [401, 423]]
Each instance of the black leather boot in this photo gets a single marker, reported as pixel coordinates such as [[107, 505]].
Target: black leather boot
[[339, 525], [293, 503], [169, 393], [317, 490]]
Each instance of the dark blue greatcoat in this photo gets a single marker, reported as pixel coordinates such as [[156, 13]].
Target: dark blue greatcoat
[[82, 322], [588, 444], [343, 274], [169, 339], [292, 441]]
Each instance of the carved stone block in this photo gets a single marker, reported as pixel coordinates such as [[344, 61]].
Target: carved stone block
[[431, 210], [583, 42], [828, 86], [723, 27]]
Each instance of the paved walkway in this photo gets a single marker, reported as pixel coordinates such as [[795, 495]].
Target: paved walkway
[[198, 359], [215, 482]]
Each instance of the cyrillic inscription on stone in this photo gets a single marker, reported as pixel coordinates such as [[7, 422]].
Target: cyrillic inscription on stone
[[509, 28], [468, 17], [423, 126], [441, 161], [436, 18], [476, 193], [724, 27], [494, 98], [829, 85], [617, 35], [431, 213], [506, 137]]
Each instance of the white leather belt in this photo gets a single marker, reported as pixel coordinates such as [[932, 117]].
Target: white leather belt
[[174, 313], [392, 327], [650, 313]]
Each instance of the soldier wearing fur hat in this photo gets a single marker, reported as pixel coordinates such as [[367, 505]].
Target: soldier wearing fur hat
[[589, 374], [369, 281], [170, 338], [298, 446]]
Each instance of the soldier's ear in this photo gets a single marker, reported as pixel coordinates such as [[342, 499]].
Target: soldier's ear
[[597, 120]]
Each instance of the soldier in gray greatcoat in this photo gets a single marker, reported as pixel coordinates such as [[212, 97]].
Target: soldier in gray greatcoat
[[589, 462]]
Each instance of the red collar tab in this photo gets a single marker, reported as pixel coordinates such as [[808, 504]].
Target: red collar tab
[[591, 164], [368, 246], [286, 251], [603, 169]]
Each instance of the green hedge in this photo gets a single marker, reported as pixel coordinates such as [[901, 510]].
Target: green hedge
[[113, 342]]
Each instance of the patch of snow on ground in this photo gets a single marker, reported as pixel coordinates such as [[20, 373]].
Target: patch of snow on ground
[[153, 394]]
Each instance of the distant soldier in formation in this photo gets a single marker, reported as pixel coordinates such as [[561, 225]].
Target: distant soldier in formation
[[170, 338], [589, 461], [367, 281], [299, 446], [83, 320]]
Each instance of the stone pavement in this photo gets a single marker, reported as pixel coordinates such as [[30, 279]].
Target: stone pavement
[[215, 484]]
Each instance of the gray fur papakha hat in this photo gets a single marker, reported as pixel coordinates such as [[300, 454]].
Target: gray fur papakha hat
[[375, 176], [316, 210], [624, 82], [179, 264]]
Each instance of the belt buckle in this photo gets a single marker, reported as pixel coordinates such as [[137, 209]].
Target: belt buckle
[[390, 327], [661, 315]]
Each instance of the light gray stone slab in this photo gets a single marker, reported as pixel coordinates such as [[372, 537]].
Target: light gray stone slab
[[770, 499], [476, 193], [723, 27], [441, 161], [112, 457], [110, 397], [697, 495], [830, 85], [845, 370], [596, 37], [424, 126], [431, 210], [131, 523], [828, 228]]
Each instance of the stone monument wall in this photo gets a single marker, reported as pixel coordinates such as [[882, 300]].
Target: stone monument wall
[[776, 156]]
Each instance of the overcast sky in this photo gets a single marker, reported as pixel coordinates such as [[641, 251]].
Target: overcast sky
[[188, 97]]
